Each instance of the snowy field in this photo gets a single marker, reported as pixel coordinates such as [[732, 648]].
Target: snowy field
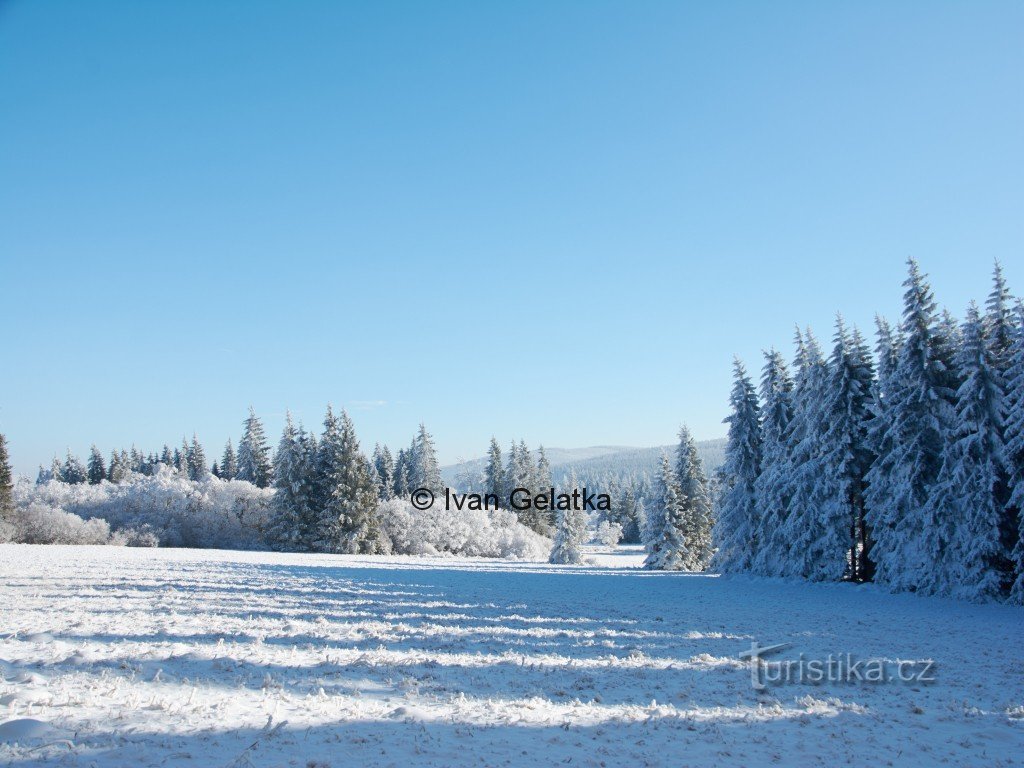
[[136, 657]]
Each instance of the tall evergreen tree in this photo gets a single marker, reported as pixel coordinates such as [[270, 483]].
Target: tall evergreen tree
[[919, 412], [348, 506], [771, 487], [97, 470], [426, 472], [73, 471], [6, 482], [1014, 439], [962, 528], [254, 453], [570, 533], [293, 520], [698, 517], [229, 462], [668, 551], [197, 469], [385, 466], [494, 475], [737, 521], [403, 483]]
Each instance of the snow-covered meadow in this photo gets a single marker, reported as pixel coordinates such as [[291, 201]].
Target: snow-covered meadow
[[114, 656]]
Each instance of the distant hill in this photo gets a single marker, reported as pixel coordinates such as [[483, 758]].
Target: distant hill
[[598, 461]]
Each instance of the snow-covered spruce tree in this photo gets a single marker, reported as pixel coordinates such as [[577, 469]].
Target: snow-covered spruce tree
[[1014, 439], [570, 532], [771, 487], [542, 481], [347, 519], [293, 511], [962, 536], [698, 515], [737, 523], [403, 485], [668, 551], [73, 472], [833, 546], [806, 488], [197, 469], [385, 467], [425, 471], [254, 453], [180, 459], [96, 470], [6, 492], [228, 462], [494, 474], [918, 412]]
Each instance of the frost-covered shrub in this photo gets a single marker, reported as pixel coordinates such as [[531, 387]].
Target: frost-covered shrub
[[609, 534], [167, 507], [471, 533], [38, 523]]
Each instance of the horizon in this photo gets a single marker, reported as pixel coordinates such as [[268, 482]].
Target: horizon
[[550, 224]]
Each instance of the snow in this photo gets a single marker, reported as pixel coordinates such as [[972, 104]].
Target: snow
[[114, 656]]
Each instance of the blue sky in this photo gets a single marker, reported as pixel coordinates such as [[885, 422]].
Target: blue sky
[[556, 221]]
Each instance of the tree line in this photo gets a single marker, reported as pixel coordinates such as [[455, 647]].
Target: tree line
[[905, 467]]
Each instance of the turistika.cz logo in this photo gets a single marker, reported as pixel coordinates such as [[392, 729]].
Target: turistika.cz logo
[[520, 499]]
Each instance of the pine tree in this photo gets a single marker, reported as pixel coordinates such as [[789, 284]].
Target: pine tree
[[494, 475], [166, 457], [215, 470], [97, 470], [918, 413], [570, 533], [229, 462], [771, 488], [254, 453], [542, 481], [967, 554], [425, 471], [118, 470], [348, 516], [698, 517], [197, 469], [56, 470], [999, 323], [737, 521], [182, 462], [669, 550]]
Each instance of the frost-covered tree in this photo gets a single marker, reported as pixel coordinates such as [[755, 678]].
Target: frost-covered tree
[[73, 471], [1014, 440], [348, 516], [999, 323], [962, 528], [384, 464], [293, 519], [6, 482], [425, 472], [197, 469], [96, 470], [570, 533], [229, 462], [919, 412], [119, 468], [698, 516], [669, 551], [771, 487], [403, 483], [494, 475], [737, 523], [254, 453]]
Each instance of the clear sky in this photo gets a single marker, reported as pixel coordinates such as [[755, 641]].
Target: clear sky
[[550, 220]]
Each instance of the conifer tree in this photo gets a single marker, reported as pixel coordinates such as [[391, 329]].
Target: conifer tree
[[919, 412], [97, 470], [403, 481], [229, 462], [425, 471], [697, 521], [669, 550], [771, 487], [962, 538], [385, 467], [1014, 440], [73, 472], [570, 533], [494, 475], [118, 470], [737, 522], [197, 469], [348, 515], [293, 520], [56, 470], [6, 482], [254, 453]]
